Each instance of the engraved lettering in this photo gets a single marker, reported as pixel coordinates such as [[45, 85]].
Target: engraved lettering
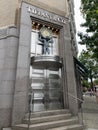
[[39, 13], [54, 18], [51, 17], [59, 19], [45, 15], [29, 9], [34, 11], [63, 21]]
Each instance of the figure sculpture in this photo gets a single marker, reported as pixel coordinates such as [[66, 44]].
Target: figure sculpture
[[45, 36]]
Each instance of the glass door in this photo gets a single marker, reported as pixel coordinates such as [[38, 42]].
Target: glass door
[[46, 90]]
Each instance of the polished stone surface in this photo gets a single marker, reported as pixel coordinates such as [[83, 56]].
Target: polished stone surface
[[46, 62]]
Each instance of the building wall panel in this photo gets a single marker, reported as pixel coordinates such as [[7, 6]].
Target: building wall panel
[[8, 12], [8, 59]]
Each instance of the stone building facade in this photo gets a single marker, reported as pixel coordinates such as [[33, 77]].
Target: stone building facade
[[23, 64]]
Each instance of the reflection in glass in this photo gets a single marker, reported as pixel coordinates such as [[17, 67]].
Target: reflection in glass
[[36, 48]]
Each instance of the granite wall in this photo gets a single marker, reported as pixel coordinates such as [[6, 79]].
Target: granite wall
[[31, 13], [15, 64], [8, 60]]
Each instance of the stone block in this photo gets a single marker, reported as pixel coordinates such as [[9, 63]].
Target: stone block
[[20, 107], [7, 87], [23, 57], [10, 63], [22, 80], [8, 52], [69, 64], [13, 31], [3, 33], [67, 29], [2, 43], [12, 41], [11, 52], [8, 74], [1, 75], [25, 35], [22, 73], [2, 53], [8, 12], [59, 5], [1, 64], [6, 100], [9, 128], [25, 17], [5, 117]]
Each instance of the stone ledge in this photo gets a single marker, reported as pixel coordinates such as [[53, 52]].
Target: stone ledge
[[9, 128], [9, 31]]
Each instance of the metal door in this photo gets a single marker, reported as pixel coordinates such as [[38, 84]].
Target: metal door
[[46, 90]]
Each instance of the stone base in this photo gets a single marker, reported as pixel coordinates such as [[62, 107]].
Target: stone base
[[9, 128]]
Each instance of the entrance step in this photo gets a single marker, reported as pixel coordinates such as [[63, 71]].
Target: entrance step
[[71, 127], [50, 120], [47, 118], [47, 113], [47, 125]]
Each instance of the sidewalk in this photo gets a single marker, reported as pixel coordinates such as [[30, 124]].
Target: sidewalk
[[91, 129], [90, 112]]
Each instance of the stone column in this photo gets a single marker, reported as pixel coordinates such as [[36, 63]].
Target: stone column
[[70, 73], [20, 103]]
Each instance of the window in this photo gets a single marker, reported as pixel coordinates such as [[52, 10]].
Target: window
[[36, 47]]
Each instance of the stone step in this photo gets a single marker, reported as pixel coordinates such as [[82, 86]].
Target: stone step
[[47, 113], [69, 127], [47, 118], [46, 125]]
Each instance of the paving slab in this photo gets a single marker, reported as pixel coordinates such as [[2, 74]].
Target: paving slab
[[90, 113]]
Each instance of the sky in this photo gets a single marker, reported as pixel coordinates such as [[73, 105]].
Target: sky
[[78, 20]]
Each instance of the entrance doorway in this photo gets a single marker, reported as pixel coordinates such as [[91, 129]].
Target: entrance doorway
[[45, 69], [46, 90]]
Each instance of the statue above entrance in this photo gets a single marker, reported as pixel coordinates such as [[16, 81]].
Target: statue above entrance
[[45, 36]]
